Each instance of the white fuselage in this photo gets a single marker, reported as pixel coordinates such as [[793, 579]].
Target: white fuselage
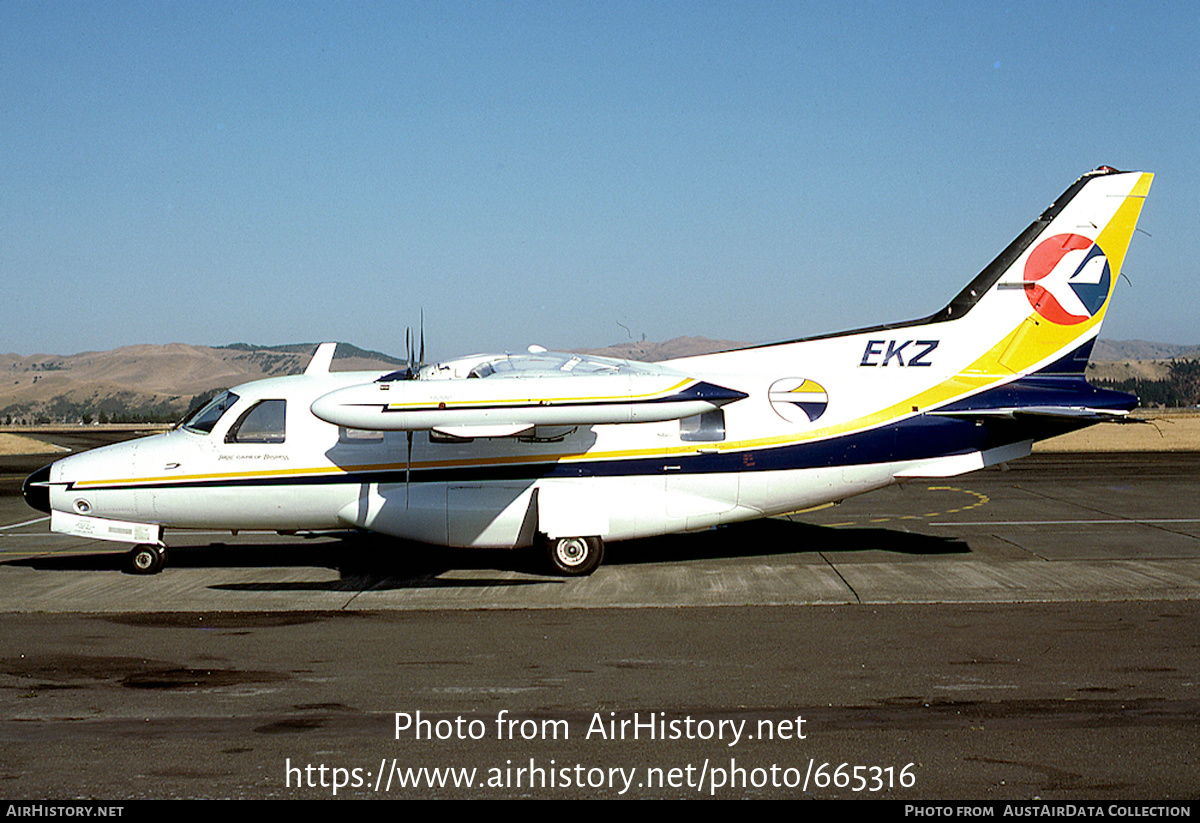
[[612, 481], [531, 444]]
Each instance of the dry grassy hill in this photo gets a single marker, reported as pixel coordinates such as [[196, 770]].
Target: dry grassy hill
[[147, 381], [1136, 359], [651, 352], [160, 382]]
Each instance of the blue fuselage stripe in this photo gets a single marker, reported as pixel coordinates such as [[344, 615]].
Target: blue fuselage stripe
[[917, 438]]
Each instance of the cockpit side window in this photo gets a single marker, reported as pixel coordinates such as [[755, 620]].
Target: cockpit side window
[[264, 422], [202, 422]]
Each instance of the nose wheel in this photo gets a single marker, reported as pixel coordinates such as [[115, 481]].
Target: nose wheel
[[146, 558]]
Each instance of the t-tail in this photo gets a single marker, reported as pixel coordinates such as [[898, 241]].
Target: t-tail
[[1001, 366], [1036, 310]]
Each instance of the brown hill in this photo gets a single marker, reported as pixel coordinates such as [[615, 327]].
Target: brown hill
[[147, 381], [1113, 350], [1128, 370], [651, 352], [159, 382]]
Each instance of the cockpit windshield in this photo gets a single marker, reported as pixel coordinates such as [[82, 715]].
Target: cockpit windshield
[[202, 422]]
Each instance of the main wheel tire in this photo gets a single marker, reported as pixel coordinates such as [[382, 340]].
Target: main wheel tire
[[575, 556], [145, 558]]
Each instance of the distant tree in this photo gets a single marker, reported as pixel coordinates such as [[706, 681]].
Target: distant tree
[[1185, 375], [1181, 387]]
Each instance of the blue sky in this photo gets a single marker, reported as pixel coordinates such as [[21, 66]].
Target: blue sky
[[550, 172]]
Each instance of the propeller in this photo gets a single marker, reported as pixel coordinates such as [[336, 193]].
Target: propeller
[[413, 354]]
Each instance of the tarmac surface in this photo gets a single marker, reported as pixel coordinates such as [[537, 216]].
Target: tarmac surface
[[1001, 635]]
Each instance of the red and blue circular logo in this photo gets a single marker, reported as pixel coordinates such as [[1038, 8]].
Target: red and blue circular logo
[[1071, 278]]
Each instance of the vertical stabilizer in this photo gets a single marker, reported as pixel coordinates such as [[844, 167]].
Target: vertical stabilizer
[[1044, 298]]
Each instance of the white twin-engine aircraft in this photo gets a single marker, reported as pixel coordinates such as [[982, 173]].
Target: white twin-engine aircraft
[[569, 451]]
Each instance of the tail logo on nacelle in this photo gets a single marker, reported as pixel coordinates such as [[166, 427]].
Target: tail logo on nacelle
[[1072, 278]]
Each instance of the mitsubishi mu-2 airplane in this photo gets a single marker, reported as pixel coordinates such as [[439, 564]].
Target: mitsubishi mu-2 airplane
[[568, 451]]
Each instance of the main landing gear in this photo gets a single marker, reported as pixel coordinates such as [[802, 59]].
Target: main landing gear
[[574, 556], [146, 558]]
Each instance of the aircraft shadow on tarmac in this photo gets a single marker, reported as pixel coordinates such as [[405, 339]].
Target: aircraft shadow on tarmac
[[377, 562]]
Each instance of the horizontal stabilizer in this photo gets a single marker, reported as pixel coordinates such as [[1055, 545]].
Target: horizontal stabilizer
[[1078, 413], [1061, 396]]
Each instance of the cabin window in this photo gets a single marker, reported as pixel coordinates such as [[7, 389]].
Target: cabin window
[[261, 423], [202, 422], [703, 428]]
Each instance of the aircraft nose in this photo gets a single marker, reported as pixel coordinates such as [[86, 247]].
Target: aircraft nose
[[36, 489]]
